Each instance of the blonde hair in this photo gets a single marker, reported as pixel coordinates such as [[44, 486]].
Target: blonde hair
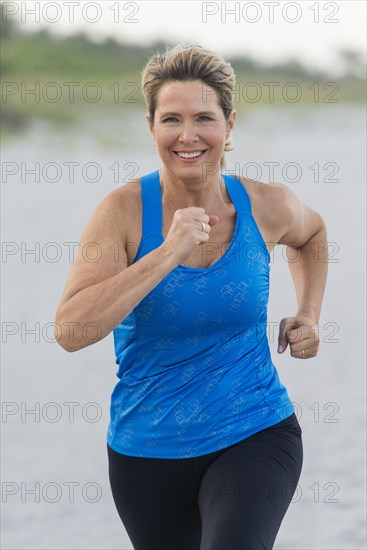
[[192, 62]]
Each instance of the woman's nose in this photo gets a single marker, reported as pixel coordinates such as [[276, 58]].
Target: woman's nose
[[188, 133]]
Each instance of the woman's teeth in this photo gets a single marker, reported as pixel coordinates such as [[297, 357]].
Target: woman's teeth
[[190, 155]]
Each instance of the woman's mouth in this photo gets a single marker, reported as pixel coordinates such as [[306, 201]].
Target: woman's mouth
[[190, 156]]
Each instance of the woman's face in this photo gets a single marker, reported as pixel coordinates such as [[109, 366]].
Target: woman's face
[[188, 119]]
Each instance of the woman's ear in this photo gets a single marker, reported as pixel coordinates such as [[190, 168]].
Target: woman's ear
[[230, 123], [151, 129]]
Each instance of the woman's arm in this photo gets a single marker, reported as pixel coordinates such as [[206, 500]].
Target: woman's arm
[[99, 294], [305, 235], [303, 231]]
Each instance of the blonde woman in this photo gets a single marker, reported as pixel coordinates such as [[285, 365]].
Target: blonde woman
[[204, 447]]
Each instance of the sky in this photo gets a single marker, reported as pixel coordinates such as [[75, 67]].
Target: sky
[[267, 31]]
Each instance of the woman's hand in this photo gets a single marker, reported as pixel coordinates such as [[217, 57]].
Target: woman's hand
[[302, 335], [190, 227]]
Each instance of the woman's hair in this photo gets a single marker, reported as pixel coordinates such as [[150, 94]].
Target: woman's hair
[[185, 63]]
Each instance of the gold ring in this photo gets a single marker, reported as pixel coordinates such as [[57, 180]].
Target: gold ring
[[203, 226], [303, 353]]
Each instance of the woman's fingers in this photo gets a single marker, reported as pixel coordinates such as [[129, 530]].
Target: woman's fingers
[[300, 335]]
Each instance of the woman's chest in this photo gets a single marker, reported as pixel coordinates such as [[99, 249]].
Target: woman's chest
[[206, 254]]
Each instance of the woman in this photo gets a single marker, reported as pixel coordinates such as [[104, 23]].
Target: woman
[[204, 447]]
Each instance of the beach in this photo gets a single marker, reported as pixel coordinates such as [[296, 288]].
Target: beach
[[55, 405]]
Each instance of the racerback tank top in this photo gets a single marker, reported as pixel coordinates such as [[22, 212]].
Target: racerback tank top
[[194, 365]]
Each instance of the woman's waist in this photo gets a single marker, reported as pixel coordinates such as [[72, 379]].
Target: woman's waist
[[241, 382]]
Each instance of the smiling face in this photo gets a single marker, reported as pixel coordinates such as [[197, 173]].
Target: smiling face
[[189, 128]]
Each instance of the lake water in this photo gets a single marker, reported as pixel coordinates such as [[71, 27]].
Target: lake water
[[54, 463]]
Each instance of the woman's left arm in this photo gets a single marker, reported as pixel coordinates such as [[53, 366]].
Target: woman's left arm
[[303, 231]]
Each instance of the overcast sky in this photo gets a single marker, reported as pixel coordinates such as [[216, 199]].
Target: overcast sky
[[270, 31]]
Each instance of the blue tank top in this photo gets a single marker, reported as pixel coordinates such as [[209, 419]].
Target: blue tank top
[[194, 366]]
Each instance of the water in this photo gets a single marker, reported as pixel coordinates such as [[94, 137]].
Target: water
[[59, 451]]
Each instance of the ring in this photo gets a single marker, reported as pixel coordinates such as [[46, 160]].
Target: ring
[[203, 226], [303, 353]]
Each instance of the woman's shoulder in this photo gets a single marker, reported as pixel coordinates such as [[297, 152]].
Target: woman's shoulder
[[260, 190], [268, 200], [129, 189], [121, 206], [279, 208], [127, 196]]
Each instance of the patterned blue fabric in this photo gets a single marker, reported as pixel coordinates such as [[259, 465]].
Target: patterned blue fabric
[[194, 366]]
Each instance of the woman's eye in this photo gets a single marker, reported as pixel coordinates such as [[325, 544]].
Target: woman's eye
[[174, 119]]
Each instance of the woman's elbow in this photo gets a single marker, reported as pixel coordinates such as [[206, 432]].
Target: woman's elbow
[[63, 332], [60, 339]]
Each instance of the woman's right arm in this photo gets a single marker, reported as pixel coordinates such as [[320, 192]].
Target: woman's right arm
[[99, 294]]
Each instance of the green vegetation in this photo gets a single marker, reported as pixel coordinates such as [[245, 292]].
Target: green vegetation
[[58, 78]]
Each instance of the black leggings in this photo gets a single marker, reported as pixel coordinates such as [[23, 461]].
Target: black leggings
[[232, 499]]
